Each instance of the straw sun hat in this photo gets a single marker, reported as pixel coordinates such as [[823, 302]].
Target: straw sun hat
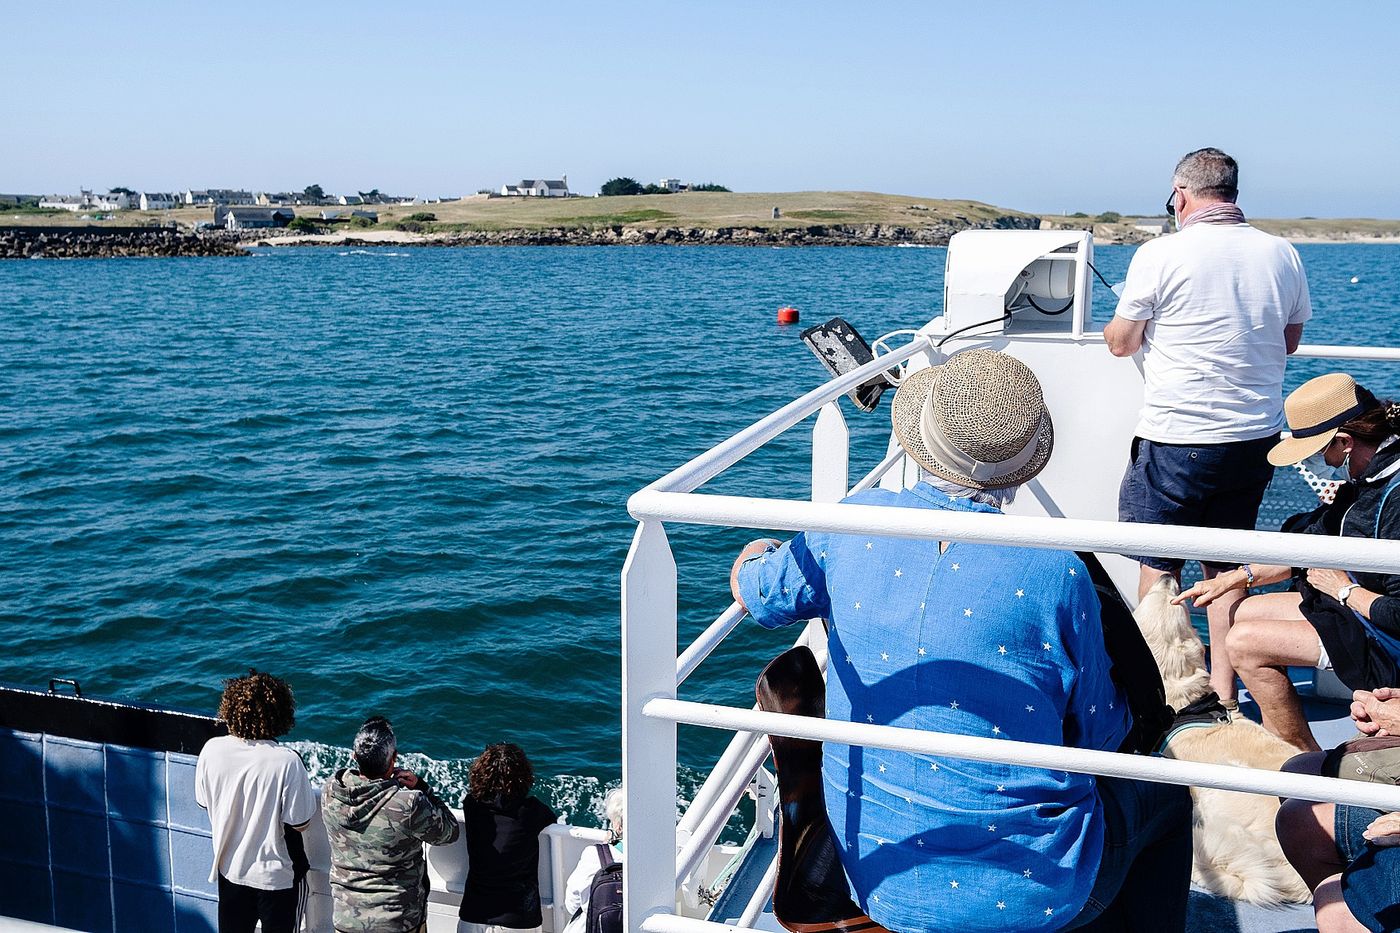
[[1315, 410], [978, 420]]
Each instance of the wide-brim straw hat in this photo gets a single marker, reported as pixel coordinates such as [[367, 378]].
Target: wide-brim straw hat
[[1315, 411], [978, 420]]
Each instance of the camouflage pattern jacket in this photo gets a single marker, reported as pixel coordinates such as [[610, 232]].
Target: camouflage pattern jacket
[[377, 830]]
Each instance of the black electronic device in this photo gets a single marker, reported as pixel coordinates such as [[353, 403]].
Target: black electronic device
[[842, 349]]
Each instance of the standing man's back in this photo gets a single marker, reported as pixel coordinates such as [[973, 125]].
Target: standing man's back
[[378, 817], [1215, 309], [259, 798]]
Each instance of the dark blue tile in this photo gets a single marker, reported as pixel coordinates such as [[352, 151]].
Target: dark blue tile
[[82, 902], [196, 914], [22, 758], [25, 892], [74, 774], [140, 852], [136, 784], [184, 812], [26, 832], [191, 857], [138, 907], [78, 842]]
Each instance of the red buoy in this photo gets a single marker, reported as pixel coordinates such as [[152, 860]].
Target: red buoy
[[787, 315]]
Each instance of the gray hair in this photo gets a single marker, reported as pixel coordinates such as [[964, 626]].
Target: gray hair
[[996, 498], [1208, 173], [375, 746], [615, 806]]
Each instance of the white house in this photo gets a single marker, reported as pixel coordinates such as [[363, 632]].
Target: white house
[[350, 199], [158, 201], [538, 188], [250, 218], [217, 196], [87, 201], [1153, 225], [63, 202], [672, 184]]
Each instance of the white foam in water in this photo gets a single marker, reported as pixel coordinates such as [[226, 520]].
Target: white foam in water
[[576, 797]]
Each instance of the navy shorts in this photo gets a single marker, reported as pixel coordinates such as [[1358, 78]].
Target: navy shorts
[[1213, 485], [1371, 881]]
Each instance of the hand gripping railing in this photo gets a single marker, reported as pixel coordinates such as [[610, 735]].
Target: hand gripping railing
[[651, 670]]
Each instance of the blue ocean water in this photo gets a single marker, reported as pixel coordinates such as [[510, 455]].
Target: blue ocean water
[[397, 477]]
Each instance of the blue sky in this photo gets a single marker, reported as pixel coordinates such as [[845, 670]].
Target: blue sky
[[1041, 106]]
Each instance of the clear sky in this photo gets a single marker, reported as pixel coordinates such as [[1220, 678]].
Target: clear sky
[[1046, 106]]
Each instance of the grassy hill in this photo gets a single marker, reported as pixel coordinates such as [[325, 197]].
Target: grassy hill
[[712, 210], [704, 210]]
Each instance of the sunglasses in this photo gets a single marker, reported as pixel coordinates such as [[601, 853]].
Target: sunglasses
[[1171, 204]]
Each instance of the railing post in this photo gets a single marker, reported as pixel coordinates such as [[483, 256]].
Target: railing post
[[831, 454], [648, 745]]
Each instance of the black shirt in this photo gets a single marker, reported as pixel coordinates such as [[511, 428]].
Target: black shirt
[[503, 870]]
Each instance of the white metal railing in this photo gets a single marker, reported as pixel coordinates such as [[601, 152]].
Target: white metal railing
[[660, 859]]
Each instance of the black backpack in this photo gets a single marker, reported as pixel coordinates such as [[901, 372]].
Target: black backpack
[[605, 895]]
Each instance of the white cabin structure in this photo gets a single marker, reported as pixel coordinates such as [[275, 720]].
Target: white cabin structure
[[538, 188], [158, 201]]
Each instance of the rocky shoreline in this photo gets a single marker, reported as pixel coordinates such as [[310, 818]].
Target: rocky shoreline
[[100, 243], [97, 242], [618, 235]]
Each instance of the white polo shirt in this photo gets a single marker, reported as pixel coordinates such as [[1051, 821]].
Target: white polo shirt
[[250, 789], [1217, 298]]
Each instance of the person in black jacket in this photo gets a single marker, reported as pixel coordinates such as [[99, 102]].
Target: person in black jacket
[[1348, 622], [503, 824]]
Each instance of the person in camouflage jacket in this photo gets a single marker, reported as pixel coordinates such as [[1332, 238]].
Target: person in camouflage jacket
[[378, 818]]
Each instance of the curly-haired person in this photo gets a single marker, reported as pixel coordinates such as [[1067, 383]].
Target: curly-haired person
[[503, 823], [257, 793]]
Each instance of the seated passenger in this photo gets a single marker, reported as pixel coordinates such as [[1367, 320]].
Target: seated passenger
[[578, 888], [503, 825], [378, 816], [984, 640], [1348, 856], [1347, 622]]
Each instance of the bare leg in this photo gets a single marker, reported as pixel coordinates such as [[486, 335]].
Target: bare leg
[[1220, 615], [1150, 575], [1305, 833], [1333, 915], [1269, 635]]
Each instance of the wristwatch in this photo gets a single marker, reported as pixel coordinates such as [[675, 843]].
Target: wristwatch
[[1345, 592]]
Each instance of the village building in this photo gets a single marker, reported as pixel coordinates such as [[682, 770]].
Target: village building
[[220, 196], [63, 202], [350, 199], [275, 199], [1153, 225], [87, 201], [252, 218], [538, 188], [672, 184], [158, 201]]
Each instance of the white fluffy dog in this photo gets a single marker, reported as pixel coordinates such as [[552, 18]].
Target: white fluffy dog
[[1237, 854]]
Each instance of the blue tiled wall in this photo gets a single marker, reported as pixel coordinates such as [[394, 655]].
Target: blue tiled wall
[[102, 837]]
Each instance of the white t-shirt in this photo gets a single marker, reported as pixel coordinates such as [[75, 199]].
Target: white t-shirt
[[1217, 297], [578, 889], [251, 788]]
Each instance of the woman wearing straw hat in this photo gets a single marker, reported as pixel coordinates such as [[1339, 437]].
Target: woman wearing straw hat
[[976, 639], [1348, 622]]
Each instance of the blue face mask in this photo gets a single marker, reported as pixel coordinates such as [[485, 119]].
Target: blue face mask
[[1319, 467]]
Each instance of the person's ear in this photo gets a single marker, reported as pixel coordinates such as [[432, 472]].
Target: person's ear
[[1347, 441]]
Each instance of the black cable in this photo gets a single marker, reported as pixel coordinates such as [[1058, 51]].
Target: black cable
[[1101, 278], [1006, 316], [1050, 313]]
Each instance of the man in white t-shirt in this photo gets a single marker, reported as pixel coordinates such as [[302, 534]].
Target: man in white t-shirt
[[259, 800], [1215, 309]]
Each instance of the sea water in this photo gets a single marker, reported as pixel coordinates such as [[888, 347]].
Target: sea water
[[397, 477]]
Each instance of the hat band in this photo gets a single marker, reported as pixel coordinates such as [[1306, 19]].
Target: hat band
[[942, 450], [1336, 421]]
